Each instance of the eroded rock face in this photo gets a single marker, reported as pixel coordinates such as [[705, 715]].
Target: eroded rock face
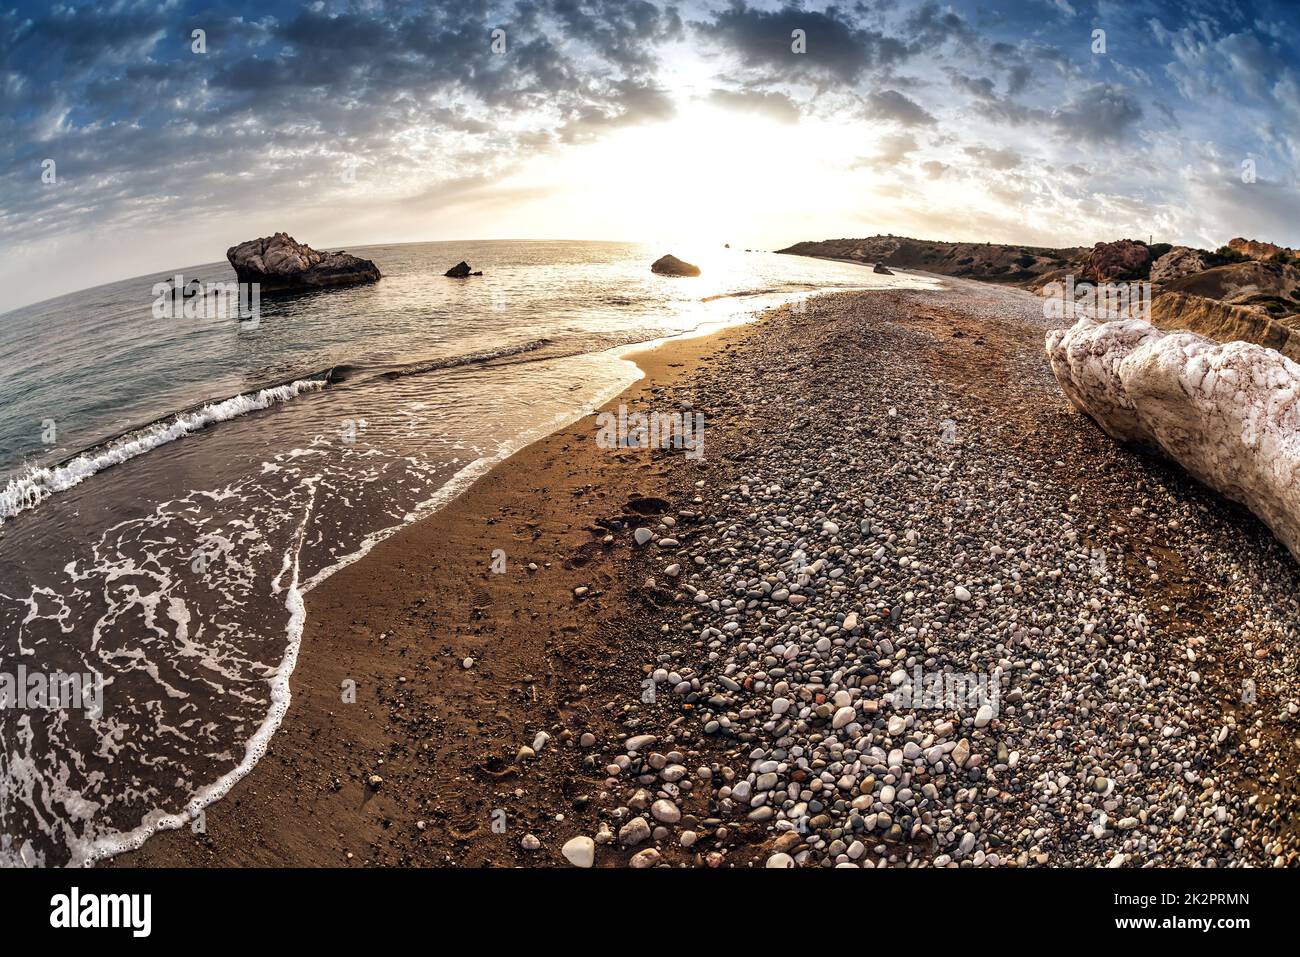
[[672, 266], [1178, 262], [1125, 259], [1273, 285], [1227, 413], [1257, 249], [1224, 322], [280, 263]]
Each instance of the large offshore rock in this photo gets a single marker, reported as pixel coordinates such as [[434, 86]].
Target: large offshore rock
[[1229, 413], [670, 265], [280, 264]]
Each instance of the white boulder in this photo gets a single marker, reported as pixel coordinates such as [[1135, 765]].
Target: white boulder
[[1229, 413]]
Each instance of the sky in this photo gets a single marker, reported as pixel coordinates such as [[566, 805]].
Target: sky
[[133, 146]]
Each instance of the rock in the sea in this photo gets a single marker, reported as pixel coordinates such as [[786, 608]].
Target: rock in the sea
[[460, 271], [1229, 414], [672, 266], [281, 264], [882, 269]]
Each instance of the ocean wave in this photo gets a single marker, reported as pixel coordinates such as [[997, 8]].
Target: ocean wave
[[785, 287], [40, 482], [474, 358]]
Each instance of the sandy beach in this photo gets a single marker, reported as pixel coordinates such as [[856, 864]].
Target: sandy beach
[[891, 481]]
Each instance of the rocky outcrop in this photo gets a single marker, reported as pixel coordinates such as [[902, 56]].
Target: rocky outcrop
[[1178, 262], [1254, 249], [882, 269], [992, 262], [460, 271], [1273, 286], [672, 266], [279, 264], [1227, 413], [1223, 322], [1125, 259]]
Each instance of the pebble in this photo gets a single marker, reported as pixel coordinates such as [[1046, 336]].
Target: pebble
[[665, 811], [818, 573], [634, 832], [579, 851], [647, 858]]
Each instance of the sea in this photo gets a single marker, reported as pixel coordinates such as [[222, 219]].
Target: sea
[[172, 488]]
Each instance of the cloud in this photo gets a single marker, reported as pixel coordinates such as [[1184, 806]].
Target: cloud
[[630, 102], [892, 105], [890, 151], [836, 49], [1102, 113], [284, 100], [991, 158], [775, 106], [931, 26]]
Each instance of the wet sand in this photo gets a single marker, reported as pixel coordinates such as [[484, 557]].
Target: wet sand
[[400, 623]]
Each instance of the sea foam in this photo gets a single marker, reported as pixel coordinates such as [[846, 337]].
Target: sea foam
[[40, 482]]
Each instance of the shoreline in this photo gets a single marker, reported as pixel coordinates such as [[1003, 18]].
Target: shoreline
[[500, 760], [658, 363]]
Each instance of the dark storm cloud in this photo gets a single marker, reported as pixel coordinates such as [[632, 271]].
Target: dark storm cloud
[[836, 48], [621, 31], [931, 26]]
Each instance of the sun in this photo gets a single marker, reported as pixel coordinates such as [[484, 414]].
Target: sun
[[707, 176]]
